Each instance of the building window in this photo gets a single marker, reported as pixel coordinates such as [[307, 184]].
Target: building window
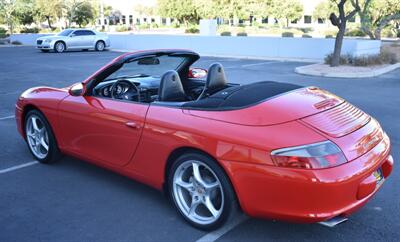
[[153, 20], [321, 20], [123, 19], [264, 20], [307, 19], [130, 19]]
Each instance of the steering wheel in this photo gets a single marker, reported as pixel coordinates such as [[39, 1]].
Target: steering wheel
[[131, 87]]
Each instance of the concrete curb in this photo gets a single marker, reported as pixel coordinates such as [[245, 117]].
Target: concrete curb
[[305, 70]]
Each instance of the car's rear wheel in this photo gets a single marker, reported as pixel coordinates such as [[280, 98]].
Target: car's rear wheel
[[40, 138], [100, 46], [59, 47], [201, 191]]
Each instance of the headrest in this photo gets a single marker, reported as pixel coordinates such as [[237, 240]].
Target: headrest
[[216, 78], [171, 89]]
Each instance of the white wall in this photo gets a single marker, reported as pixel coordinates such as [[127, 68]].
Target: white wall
[[246, 47]]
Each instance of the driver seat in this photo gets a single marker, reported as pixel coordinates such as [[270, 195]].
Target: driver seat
[[216, 80], [171, 88]]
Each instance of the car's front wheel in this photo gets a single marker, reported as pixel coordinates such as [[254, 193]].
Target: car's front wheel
[[59, 47], [40, 138], [100, 46], [201, 191]]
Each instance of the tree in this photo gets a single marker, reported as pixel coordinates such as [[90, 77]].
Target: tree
[[288, 10], [375, 15], [25, 11], [8, 13], [183, 10], [79, 11], [324, 9], [341, 22], [49, 10], [83, 14]]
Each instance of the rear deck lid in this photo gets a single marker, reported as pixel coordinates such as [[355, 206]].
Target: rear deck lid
[[285, 107], [338, 121]]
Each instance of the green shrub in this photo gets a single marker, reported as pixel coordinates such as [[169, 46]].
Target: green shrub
[[16, 42], [176, 25], [226, 33], [192, 30], [122, 28], [343, 60], [306, 36], [144, 26], [241, 34], [27, 30], [287, 34], [329, 36], [384, 57], [355, 33], [154, 26], [306, 30], [388, 33], [3, 33]]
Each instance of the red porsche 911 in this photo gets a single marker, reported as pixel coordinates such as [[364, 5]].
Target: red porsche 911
[[276, 150]]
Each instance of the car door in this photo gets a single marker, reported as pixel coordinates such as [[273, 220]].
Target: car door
[[101, 129], [75, 40], [88, 38]]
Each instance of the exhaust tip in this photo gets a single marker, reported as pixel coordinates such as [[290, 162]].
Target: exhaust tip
[[334, 221]]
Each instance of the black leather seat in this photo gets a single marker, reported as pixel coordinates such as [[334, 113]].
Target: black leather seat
[[216, 80], [171, 89]]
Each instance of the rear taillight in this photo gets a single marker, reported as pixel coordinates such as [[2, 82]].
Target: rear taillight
[[314, 156]]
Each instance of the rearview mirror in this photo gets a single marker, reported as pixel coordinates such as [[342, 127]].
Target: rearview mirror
[[197, 73], [149, 61], [76, 89]]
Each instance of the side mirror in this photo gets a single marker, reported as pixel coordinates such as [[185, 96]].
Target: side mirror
[[197, 73], [76, 89], [72, 35]]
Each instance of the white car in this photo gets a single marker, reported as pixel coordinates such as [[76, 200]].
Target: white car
[[69, 39]]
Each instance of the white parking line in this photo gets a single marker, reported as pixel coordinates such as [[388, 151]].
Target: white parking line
[[13, 168], [214, 235], [259, 64], [7, 117]]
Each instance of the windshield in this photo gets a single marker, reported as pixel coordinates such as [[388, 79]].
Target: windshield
[[65, 32], [154, 66]]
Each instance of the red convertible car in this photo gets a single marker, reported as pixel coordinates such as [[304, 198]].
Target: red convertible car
[[276, 150]]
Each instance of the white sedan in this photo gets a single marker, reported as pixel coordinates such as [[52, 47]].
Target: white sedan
[[69, 39]]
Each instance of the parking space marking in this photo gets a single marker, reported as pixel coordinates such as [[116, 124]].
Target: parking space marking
[[214, 235], [260, 63], [7, 117], [13, 168]]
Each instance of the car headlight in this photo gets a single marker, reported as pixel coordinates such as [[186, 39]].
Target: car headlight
[[314, 156]]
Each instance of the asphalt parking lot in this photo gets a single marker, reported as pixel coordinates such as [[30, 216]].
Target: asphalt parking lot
[[76, 201]]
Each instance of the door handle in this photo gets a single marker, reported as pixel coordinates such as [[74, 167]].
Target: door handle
[[133, 125]]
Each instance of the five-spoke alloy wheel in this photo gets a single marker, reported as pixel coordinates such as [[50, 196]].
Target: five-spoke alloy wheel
[[40, 138], [201, 191]]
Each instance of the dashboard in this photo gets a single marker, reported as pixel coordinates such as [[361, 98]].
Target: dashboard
[[148, 87]]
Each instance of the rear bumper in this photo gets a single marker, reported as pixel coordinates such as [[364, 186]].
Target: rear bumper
[[309, 196]]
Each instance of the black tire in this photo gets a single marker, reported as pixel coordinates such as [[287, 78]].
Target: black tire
[[54, 153], [230, 202], [45, 51], [59, 50], [98, 45]]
